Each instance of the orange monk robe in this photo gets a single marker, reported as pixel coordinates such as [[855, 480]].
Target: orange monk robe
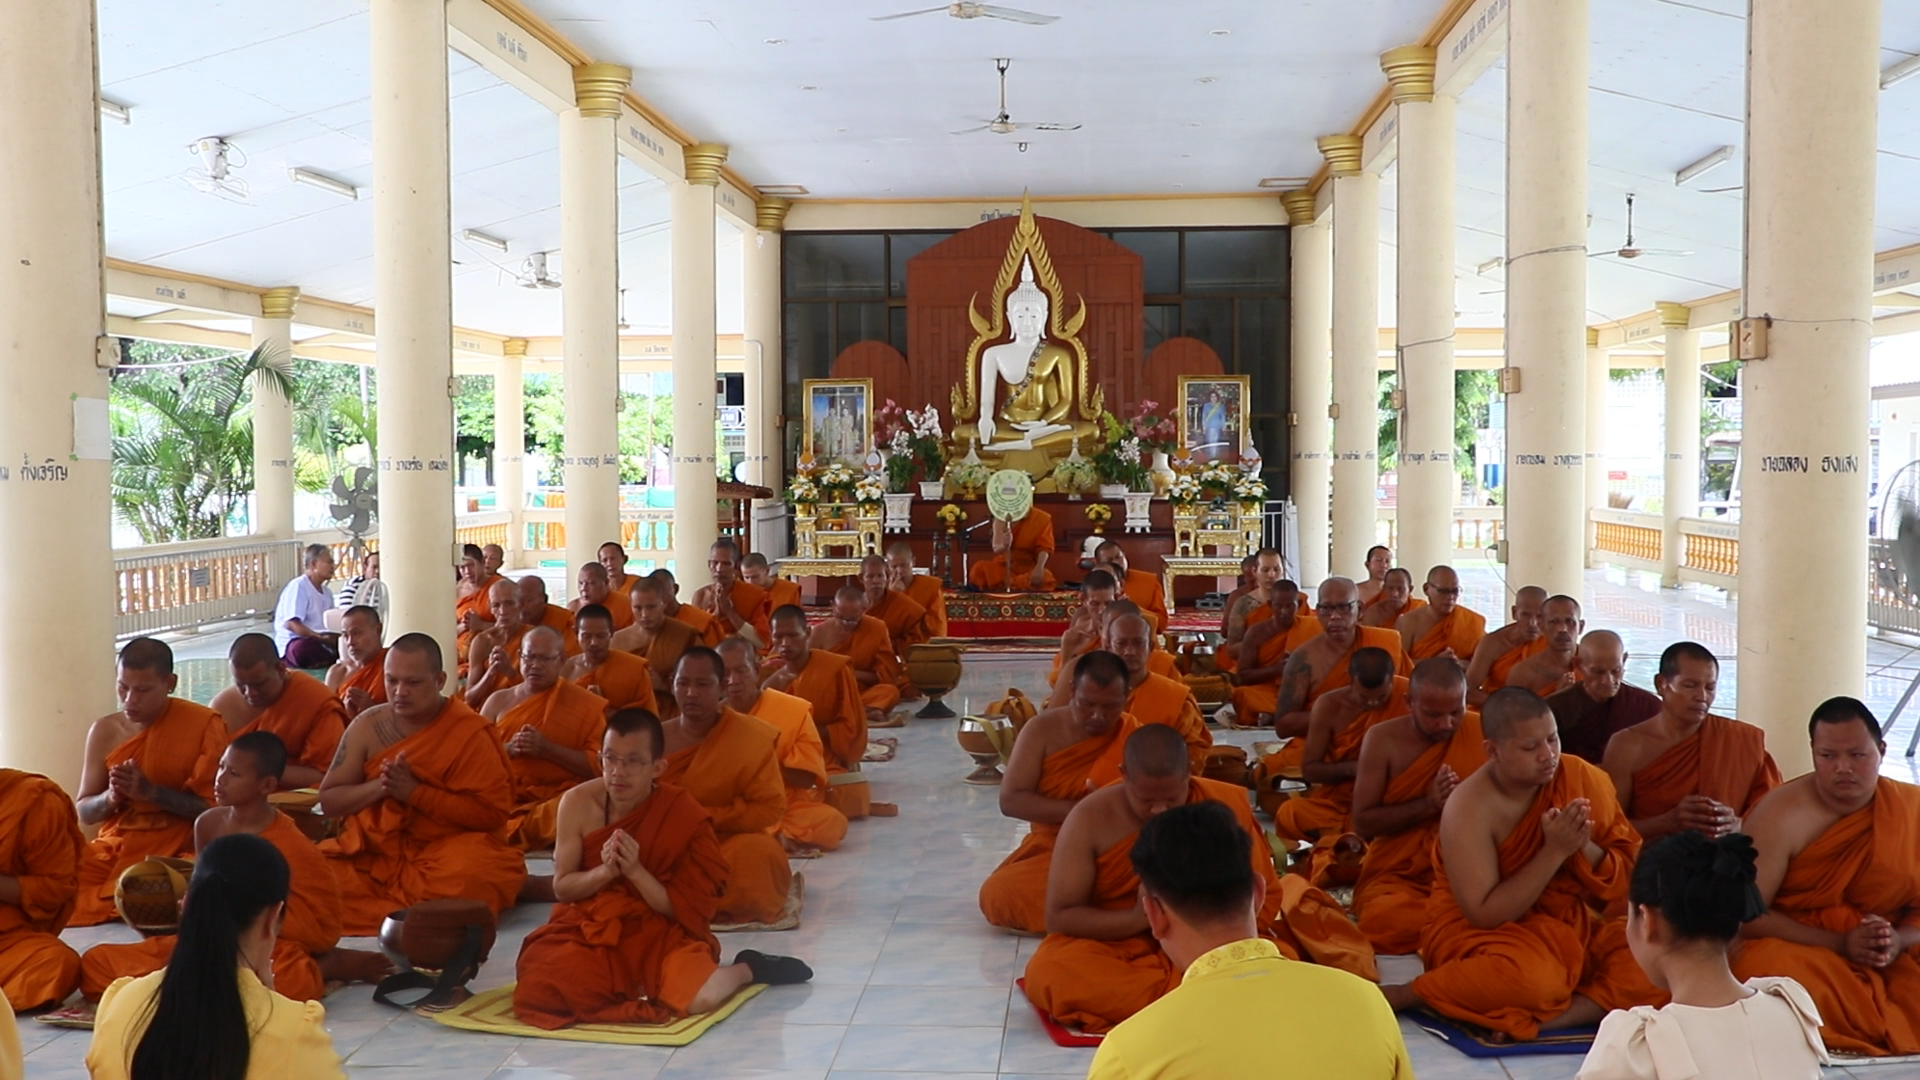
[[1260, 613], [1862, 865], [1265, 697], [1304, 629], [624, 680], [181, 750], [477, 603], [929, 593], [372, 677], [448, 841], [1503, 667], [1725, 760], [809, 820], [611, 958], [1162, 662], [735, 774], [750, 601], [1014, 896], [669, 644], [620, 607], [308, 718], [1517, 975], [41, 848], [833, 696], [702, 623], [871, 649], [906, 621], [512, 677], [1144, 589], [569, 715], [1412, 605], [1459, 630], [1092, 985], [1326, 808], [560, 621], [780, 593], [311, 926], [1032, 535], [1396, 875], [1160, 700]]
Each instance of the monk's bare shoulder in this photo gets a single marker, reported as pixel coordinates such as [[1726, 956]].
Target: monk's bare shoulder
[[1789, 817], [583, 803], [1630, 748], [108, 732]]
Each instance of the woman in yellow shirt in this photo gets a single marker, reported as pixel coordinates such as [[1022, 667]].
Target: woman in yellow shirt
[[211, 1014]]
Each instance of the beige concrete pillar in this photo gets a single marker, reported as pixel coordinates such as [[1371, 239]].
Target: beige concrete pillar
[[413, 337], [1311, 472], [1356, 353], [1682, 486], [766, 391], [1599, 374], [590, 302], [695, 455], [56, 659], [1428, 482], [1547, 293], [510, 445], [1812, 90], [273, 418]]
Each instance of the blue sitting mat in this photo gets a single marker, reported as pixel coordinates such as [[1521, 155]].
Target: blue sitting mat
[[1475, 1044]]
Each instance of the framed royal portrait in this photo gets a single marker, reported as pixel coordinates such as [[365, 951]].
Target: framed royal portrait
[[1213, 416], [839, 420]]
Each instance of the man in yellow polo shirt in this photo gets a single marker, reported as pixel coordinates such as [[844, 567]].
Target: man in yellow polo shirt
[[1240, 998]]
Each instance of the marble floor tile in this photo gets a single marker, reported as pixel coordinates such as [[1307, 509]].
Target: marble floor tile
[[927, 1049]]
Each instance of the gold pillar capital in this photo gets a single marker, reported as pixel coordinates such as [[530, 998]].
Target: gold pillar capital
[[703, 161], [598, 88], [1342, 153], [278, 303], [1299, 206], [1593, 338], [770, 213], [1674, 316], [1409, 71], [514, 346]]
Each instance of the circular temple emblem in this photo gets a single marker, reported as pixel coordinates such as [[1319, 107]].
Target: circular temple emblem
[[1009, 494]]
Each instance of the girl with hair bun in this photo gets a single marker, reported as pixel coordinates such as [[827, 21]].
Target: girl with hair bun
[[1689, 897]]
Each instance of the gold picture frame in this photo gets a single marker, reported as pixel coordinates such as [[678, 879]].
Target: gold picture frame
[[1212, 416], [838, 420]]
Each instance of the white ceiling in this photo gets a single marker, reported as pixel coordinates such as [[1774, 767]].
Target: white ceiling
[[288, 85]]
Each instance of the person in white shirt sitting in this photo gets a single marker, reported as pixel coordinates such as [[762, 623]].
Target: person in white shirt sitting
[[366, 588], [300, 616], [1689, 897]]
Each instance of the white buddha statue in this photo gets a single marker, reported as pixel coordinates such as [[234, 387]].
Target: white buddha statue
[[1038, 374]]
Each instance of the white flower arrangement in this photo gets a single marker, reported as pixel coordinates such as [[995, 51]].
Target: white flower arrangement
[[968, 475], [837, 477], [801, 490], [1074, 475], [1184, 490], [901, 443], [869, 490], [1250, 489], [1129, 451], [926, 423]]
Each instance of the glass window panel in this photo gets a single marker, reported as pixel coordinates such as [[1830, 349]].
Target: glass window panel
[[1163, 322], [905, 246], [1236, 260], [1212, 322], [859, 322], [835, 265], [1263, 328], [1160, 251], [897, 327], [808, 343]]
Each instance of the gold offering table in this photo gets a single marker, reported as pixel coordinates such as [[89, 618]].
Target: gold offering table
[[1175, 566]]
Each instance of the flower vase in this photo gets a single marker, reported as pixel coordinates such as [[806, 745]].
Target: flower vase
[[930, 490], [899, 512], [1113, 491], [1139, 509], [1162, 472]]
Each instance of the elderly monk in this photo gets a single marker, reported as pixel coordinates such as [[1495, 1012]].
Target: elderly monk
[[736, 606], [1089, 623], [492, 666], [1136, 585], [1379, 561], [1020, 553], [596, 588], [1531, 848], [425, 789], [148, 772], [1501, 651], [1395, 600], [657, 638], [1837, 874], [1242, 585], [1059, 756], [1408, 768], [827, 682], [359, 680], [727, 760], [812, 824], [1320, 665], [701, 622], [551, 729], [1687, 768], [863, 640], [1100, 962], [537, 609], [1159, 660], [1154, 659], [1444, 626], [40, 853], [1251, 607], [267, 696], [472, 606], [622, 678], [1601, 704], [1329, 755], [759, 573], [922, 589], [906, 620], [614, 558], [638, 873], [305, 956], [1279, 632], [1554, 668]]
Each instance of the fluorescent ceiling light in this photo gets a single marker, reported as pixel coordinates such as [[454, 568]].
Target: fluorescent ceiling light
[[1905, 69], [324, 183], [783, 189], [475, 236], [113, 110], [1711, 161], [1271, 182], [1490, 265]]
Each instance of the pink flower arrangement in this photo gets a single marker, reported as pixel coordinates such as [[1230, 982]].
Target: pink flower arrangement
[[1155, 432]]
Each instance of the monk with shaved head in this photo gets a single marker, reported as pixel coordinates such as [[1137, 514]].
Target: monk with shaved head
[[1277, 631], [827, 682], [266, 695], [473, 607], [596, 587], [737, 606], [1501, 651], [1443, 626], [551, 729], [1554, 668], [905, 619], [1379, 561], [614, 558], [864, 641], [1602, 703], [701, 621], [536, 609], [1329, 760], [922, 589], [623, 679], [656, 638], [1136, 585], [495, 655], [811, 825], [1089, 622], [1251, 607], [759, 573], [1395, 600], [359, 680], [1320, 665]]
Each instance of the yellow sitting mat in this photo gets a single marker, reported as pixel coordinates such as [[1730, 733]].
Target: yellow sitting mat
[[492, 1012]]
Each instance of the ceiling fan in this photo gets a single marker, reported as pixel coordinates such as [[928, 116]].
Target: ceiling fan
[[1628, 250], [1002, 123], [977, 11]]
